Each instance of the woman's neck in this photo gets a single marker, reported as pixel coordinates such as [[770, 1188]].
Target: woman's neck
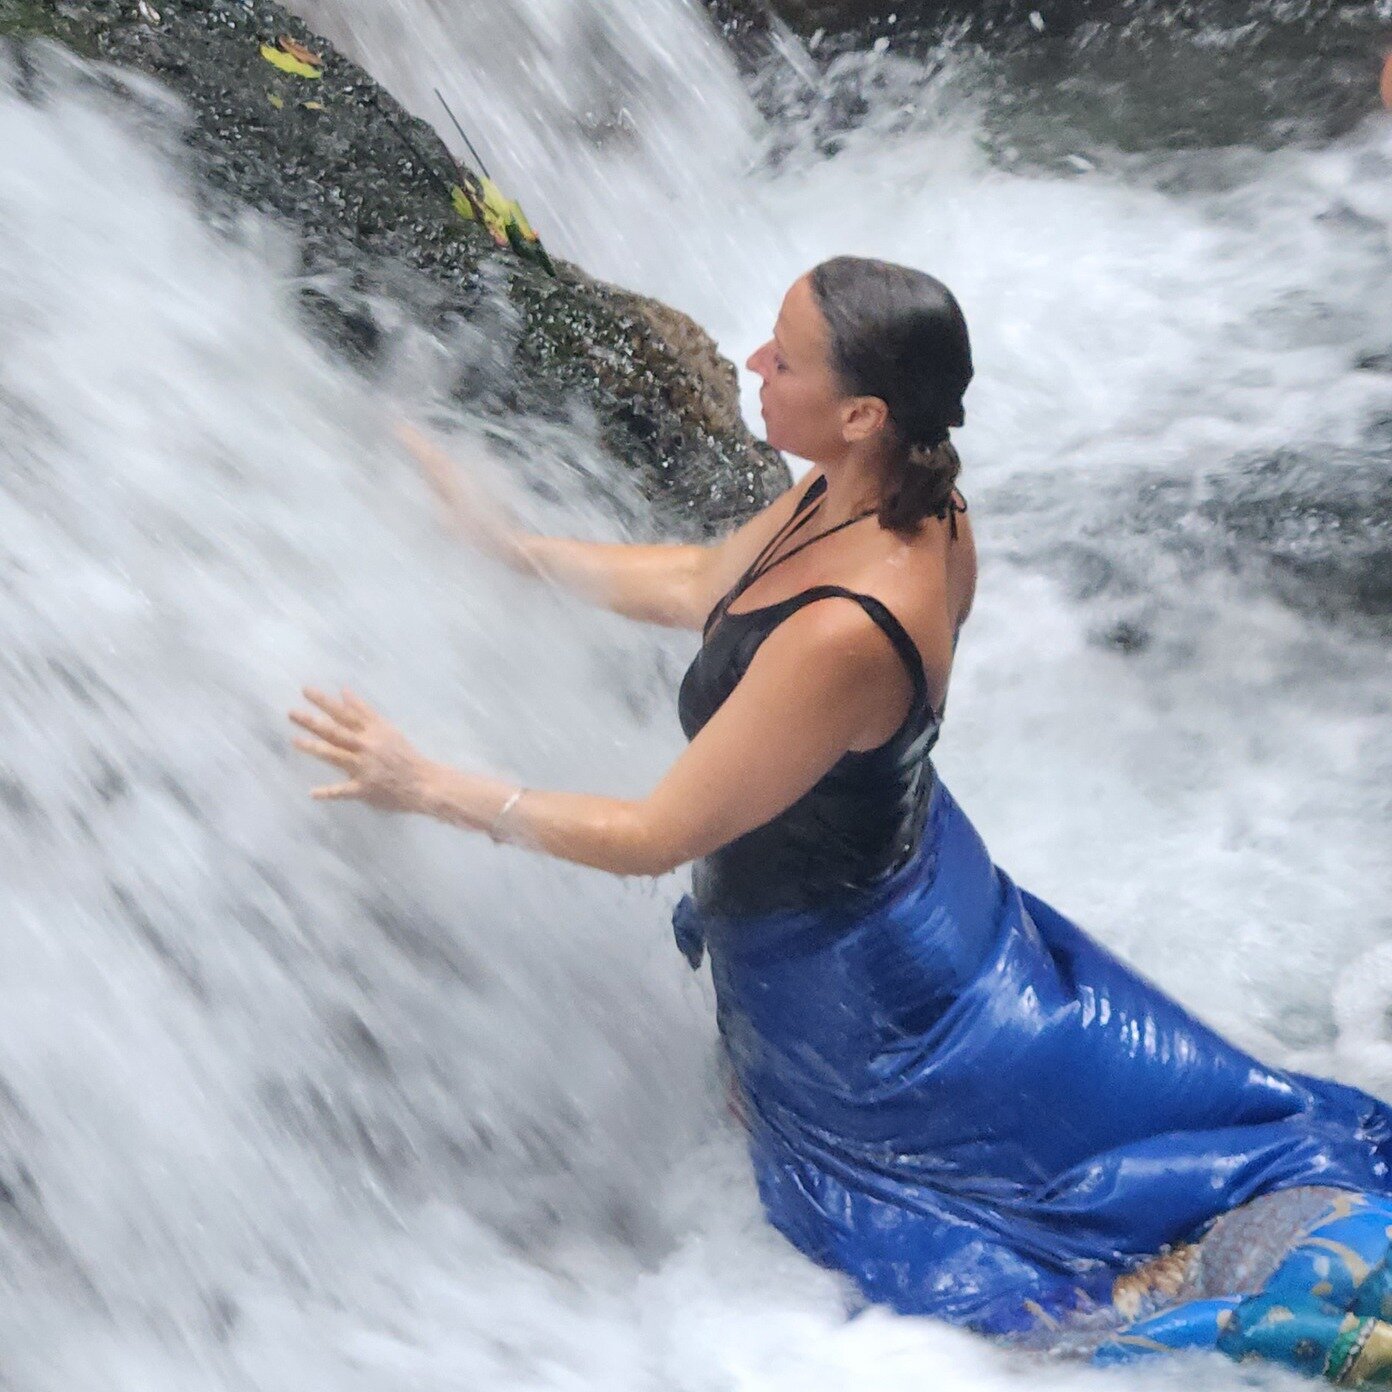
[[854, 486]]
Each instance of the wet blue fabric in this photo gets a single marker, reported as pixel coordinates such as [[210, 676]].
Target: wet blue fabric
[[961, 1100]]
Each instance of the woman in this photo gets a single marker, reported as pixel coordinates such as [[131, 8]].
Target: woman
[[952, 1094]]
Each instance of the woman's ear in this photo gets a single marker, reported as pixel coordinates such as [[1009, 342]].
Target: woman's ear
[[862, 417]]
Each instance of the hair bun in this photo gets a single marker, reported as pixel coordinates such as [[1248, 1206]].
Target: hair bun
[[928, 440], [899, 335]]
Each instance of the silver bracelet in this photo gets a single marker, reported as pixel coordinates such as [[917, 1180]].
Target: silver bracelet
[[495, 827]]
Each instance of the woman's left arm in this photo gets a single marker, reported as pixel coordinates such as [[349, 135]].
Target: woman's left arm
[[816, 686]]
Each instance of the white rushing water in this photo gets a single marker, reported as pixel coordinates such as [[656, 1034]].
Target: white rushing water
[[295, 1096]]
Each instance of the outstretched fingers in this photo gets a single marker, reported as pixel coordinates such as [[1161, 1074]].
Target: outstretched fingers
[[338, 710], [358, 708], [345, 732], [333, 792], [329, 753], [331, 732]]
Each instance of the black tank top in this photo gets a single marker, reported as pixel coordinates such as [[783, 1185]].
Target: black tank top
[[860, 821]]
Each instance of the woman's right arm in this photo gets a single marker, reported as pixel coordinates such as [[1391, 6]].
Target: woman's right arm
[[653, 584], [673, 585]]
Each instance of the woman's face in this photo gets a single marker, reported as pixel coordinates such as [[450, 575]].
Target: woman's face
[[803, 404]]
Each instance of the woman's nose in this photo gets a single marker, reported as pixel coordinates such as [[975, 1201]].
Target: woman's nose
[[757, 360]]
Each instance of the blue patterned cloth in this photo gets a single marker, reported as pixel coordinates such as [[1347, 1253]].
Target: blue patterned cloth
[[1325, 1311], [975, 1111]]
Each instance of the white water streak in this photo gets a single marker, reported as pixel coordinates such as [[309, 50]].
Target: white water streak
[[300, 1097]]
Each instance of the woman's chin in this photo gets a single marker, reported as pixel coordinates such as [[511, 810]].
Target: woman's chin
[[775, 440]]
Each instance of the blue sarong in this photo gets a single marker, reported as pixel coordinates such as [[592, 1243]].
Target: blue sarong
[[959, 1099]]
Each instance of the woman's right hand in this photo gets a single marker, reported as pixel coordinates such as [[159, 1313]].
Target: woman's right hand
[[658, 583], [469, 512]]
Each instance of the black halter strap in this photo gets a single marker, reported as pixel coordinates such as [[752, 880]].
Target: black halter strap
[[802, 514], [956, 503], [758, 572]]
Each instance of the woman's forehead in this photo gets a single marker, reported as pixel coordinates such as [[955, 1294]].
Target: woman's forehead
[[799, 323]]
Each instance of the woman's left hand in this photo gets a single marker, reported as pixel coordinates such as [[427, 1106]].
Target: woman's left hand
[[383, 768]]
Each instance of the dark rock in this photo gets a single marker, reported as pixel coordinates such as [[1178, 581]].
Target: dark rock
[[919, 17], [1324, 527], [1125, 636], [365, 187], [1070, 85], [1316, 531]]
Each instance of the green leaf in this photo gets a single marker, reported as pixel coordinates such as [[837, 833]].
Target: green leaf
[[286, 63]]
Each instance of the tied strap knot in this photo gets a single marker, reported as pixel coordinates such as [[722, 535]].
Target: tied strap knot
[[689, 932]]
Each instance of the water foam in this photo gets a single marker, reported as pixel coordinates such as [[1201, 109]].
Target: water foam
[[300, 1096]]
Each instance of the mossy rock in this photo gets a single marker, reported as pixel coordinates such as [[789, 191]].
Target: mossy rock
[[326, 156]]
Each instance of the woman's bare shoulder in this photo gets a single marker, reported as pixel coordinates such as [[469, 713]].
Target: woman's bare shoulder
[[929, 576], [928, 584], [961, 571]]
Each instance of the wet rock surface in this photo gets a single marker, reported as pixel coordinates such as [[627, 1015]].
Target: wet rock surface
[[1320, 529], [1311, 530], [365, 187], [925, 17]]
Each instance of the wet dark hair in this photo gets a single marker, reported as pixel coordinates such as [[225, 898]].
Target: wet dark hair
[[899, 334]]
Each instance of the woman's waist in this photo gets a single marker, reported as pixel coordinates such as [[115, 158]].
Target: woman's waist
[[831, 851], [945, 889]]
